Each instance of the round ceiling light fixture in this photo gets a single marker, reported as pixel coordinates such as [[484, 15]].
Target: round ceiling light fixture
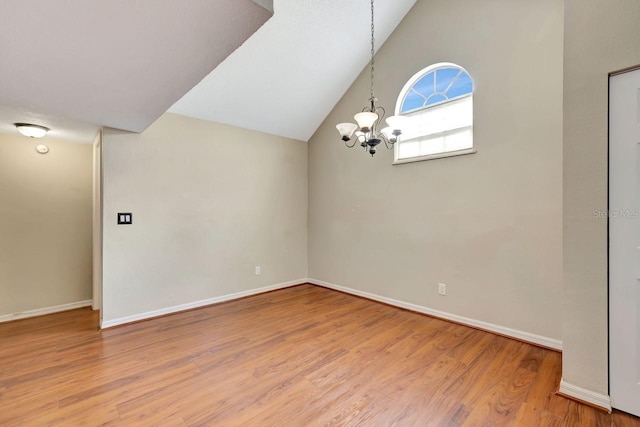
[[31, 130]]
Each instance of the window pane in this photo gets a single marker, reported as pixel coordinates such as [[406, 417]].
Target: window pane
[[452, 115], [459, 140], [409, 149], [444, 76], [412, 101], [442, 143], [431, 146], [435, 87], [425, 85], [436, 99], [462, 86]]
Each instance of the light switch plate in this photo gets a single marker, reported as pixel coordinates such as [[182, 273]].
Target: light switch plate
[[125, 218]]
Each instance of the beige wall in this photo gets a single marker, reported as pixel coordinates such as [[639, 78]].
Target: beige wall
[[45, 224], [209, 202], [487, 224], [600, 37]]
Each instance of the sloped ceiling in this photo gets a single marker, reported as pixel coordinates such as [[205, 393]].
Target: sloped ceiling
[[288, 76], [77, 65]]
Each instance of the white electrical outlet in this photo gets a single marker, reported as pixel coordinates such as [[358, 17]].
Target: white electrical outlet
[[442, 289], [257, 270]]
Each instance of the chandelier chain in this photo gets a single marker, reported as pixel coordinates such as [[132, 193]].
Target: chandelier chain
[[372, 52], [366, 132]]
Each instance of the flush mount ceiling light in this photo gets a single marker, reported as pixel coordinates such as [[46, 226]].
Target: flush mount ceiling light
[[32, 131], [369, 120]]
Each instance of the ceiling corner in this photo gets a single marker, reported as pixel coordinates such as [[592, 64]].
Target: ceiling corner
[[267, 4]]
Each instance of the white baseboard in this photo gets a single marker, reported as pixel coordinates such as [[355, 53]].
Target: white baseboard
[[582, 394], [196, 304], [513, 333], [45, 310]]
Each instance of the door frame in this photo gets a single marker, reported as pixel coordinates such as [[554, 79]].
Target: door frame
[[610, 75], [97, 224]]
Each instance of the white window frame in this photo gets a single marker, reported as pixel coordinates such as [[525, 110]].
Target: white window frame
[[401, 98]]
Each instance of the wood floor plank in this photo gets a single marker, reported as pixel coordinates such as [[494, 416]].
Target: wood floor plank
[[128, 387], [201, 401], [529, 415], [500, 404], [301, 356], [17, 413], [542, 394]]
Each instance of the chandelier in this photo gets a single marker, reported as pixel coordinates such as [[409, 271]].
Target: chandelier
[[366, 131]]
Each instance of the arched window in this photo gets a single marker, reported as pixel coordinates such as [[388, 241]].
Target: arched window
[[439, 101]]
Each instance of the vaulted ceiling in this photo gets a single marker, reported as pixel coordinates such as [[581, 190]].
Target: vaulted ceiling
[[78, 65], [288, 76]]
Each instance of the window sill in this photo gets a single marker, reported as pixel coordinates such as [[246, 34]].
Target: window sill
[[435, 156]]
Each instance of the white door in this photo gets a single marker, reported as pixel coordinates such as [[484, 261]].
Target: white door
[[624, 247]]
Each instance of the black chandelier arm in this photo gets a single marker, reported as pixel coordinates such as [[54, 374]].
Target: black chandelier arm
[[356, 139], [387, 142], [380, 111], [351, 145]]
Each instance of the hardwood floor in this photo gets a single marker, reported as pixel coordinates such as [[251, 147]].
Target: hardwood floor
[[303, 356]]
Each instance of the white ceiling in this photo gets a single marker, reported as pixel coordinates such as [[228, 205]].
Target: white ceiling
[[77, 65], [287, 77]]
